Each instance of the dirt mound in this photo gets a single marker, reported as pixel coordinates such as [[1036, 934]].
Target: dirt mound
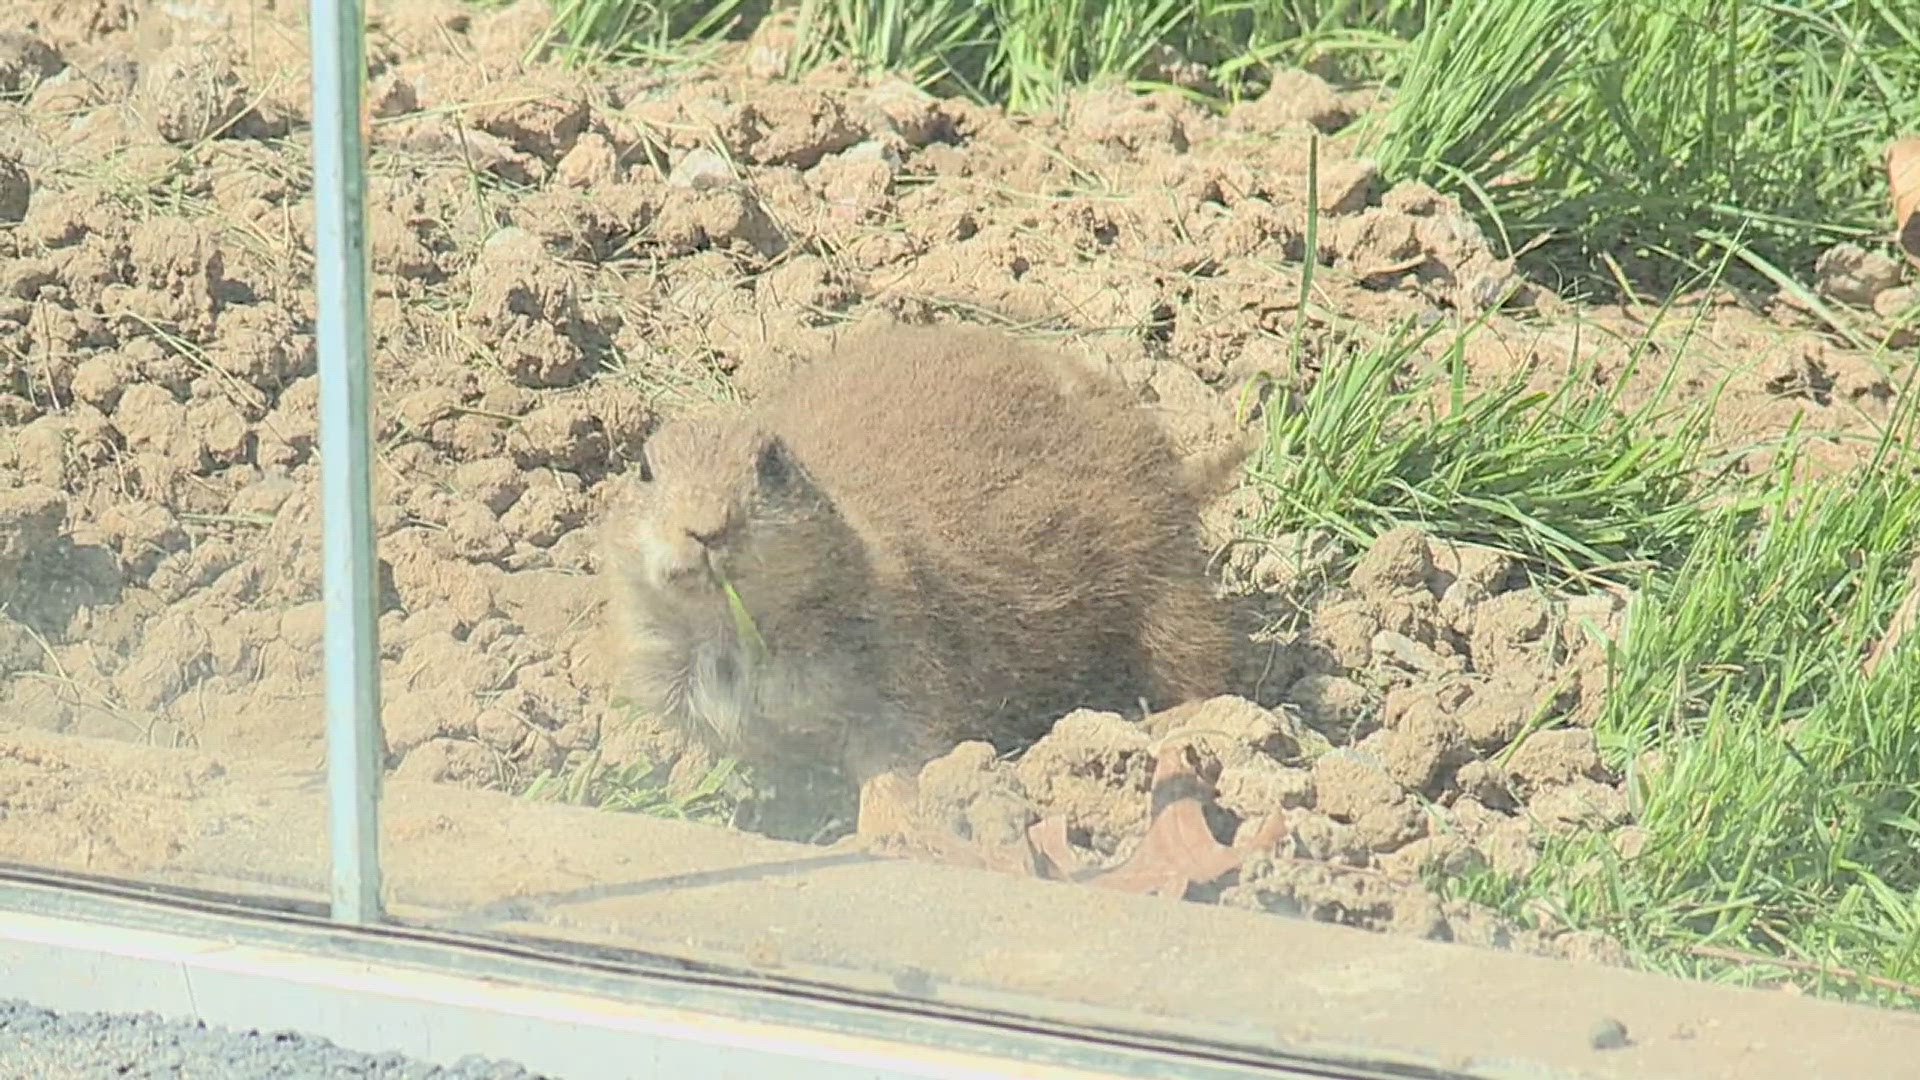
[[1431, 726], [561, 258]]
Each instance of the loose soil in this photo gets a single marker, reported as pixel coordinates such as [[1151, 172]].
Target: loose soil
[[563, 257]]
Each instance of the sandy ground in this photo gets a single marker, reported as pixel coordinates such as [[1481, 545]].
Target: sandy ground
[[564, 257]]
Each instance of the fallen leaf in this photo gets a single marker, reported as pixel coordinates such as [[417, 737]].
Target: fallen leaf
[[1179, 851], [1049, 839], [1903, 182]]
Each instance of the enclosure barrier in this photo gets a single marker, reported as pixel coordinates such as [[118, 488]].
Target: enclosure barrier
[[350, 567], [352, 974]]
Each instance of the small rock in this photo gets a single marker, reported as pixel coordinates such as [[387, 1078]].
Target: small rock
[[590, 163], [1296, 562], [771, 46], [1345, 631], [390, 95], [1510, 628], [1347, 784], [1414, 198], [1509, 848], [1242, 723], [1404, 704], [1483, 782], [1330, 702], [1398, 562], [1496, 714], [193, 93], [1391, 826], [1630, 841], [1415, 752], [1444, 852], [543, 515], [496, 482], [1347, 186], [1896, 302], [25, 61], [1377, 243], [1602, 612], [1608, 1034], [1295, 96], [1418, 913], [1592, 947], [1392, 647], [701, 170], [1484, 571], [1078, 768], [1320, 838], [500, 726], [872, 150], [1582, 804], [1262, 786], [559, 433], [1851, 274], [910, 113], [474, 533], [1556, 756]]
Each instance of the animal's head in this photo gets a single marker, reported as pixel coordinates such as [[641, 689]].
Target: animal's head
[[725, 565]]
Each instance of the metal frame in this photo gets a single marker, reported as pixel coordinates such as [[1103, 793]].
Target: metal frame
[[74, 943], [349, 581]]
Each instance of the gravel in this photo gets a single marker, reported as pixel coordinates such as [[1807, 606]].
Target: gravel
[[43, 1045]]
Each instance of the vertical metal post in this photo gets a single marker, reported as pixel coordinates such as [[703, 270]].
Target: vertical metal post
[[346, 488]]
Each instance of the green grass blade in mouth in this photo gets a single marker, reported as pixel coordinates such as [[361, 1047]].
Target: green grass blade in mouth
[[743, 624]]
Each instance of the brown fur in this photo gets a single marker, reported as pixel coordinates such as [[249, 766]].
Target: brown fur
[[941, 534]]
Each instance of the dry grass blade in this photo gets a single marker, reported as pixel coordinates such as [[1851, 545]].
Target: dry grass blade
[[1755, 960], [1899, 626]]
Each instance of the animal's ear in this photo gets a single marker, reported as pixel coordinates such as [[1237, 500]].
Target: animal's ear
[[781, 480], [773, 466]]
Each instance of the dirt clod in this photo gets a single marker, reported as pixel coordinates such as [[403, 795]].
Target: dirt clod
[[193, 92]]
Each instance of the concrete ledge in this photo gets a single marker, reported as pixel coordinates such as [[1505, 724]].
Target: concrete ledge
[[369, 991], [805, 924]]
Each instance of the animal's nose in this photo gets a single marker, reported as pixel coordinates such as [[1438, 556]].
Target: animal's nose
[[677, 560]]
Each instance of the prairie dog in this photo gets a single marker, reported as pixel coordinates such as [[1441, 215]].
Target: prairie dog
[[935, 535]]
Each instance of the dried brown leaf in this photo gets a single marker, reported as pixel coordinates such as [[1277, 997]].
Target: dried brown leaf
[[1049, 839], [1903, 184], [1179, 851]]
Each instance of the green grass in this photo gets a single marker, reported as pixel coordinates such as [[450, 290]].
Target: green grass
[[640, 786], [1659, 134], [1782, 821], [1615, 143], [1782, 825], [1564, 479]]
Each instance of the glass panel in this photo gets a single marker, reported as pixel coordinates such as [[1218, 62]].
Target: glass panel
[[160, 617], [1278, 545]]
